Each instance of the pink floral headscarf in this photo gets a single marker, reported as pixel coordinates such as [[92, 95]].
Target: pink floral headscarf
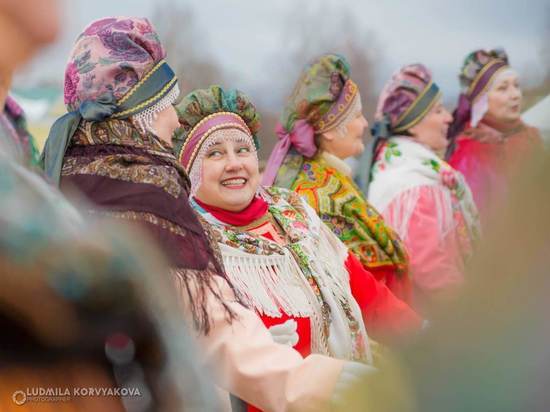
[[401, 92], [110, 56], [116, 70]]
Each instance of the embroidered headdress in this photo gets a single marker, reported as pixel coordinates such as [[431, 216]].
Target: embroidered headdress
[[206, 116], [324, 98], [478, 72], [404, 101]]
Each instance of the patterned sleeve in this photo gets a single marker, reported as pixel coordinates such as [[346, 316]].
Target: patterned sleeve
[[354, 234]]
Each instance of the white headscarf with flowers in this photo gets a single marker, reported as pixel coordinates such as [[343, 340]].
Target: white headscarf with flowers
[[403, 167]]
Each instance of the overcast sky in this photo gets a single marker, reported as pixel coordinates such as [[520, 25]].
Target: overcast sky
[[245, 35]]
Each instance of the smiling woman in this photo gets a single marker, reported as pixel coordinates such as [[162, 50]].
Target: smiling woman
[[230, 171], [286, 264], [112, 147]]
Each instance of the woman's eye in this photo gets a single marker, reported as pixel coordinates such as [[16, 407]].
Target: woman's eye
[[214, 153], [243, 150]]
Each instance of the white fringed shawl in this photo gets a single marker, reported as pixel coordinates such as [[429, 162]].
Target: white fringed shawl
[[273, 283], [406, 169]]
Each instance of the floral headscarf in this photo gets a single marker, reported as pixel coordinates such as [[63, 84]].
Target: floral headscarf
[[405, 99], [116, 70], [324, 98]]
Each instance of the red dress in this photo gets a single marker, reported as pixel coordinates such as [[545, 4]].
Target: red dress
[[387, 318], [488, 157]]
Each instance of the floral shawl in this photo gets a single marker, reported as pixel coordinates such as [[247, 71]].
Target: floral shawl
[[403, 166], [135, 177], [263, 271], [342, 206]]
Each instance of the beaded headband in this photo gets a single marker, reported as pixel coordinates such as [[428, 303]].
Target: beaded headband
[[156, 84], [339, 109], [203, 129]]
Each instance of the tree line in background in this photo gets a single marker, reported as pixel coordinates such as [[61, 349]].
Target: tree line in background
[[310, 33], [313, 31]]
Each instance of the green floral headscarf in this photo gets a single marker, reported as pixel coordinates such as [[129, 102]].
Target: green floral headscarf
[[322, 100]]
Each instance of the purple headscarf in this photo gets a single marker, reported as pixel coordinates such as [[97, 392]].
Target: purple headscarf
[[479, 68]]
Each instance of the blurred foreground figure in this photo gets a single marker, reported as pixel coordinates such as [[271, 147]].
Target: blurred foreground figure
[[25, 26], [489, 141], [79, 309], [491, 350], [16, 138]]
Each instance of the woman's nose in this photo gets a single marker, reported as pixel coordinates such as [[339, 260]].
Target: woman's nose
[[448, 117], [516, 93], [233, 162], [365, 122]]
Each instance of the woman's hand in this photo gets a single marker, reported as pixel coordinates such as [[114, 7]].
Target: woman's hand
[[285, 333]]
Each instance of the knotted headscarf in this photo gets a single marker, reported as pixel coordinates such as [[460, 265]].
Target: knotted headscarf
[[324, 98], [405, 99], [116, 70]]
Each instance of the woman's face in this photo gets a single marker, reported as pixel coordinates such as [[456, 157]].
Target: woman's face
[[348, 141], [432, 129], [504, 98], [230, 175], [165, 123]]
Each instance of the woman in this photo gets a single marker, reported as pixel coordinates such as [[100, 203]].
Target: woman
[[321, 125], [489, 142], [284, 262], [419, 194], [115, 147]]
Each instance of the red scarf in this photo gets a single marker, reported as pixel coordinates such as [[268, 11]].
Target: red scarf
[[255, 210]]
